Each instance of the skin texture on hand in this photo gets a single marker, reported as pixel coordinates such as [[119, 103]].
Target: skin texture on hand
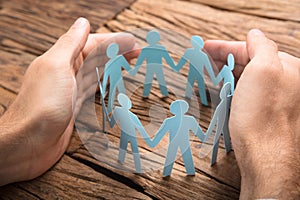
[[36, 129], [264, 120]]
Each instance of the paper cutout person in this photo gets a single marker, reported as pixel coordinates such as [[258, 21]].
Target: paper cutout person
[[178, 127], [220, 119], [198, 60], [104, 110], [226, 73], [113, 71], [153, 54], [129, 123]]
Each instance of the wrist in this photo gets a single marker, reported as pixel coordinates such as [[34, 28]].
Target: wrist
[[15, 145], [270, 169]]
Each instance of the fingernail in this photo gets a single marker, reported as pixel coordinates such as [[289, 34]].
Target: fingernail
[[257, 32], [80, 22]]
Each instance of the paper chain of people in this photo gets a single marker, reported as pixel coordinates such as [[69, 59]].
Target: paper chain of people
[[180, 124]]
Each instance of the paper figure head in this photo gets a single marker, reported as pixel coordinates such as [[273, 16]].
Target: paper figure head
[[225, 91], [153, 37], [124, 101], [197, 42], [112, 50], [230, 61], [179, 107]]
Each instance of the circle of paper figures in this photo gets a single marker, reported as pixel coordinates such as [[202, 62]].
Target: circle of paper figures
[[178, 125]]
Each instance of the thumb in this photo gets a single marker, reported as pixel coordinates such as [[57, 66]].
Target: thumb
[[259, 46], [72, 42]]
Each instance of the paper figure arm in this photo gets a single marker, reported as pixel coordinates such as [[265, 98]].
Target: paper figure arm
[[169, 59], [160, 134], [212, 124], [209, 70], [220, 76], [138, 63], [181, 63], [112, 121], [126, 65], [197, 129], [141, 129]]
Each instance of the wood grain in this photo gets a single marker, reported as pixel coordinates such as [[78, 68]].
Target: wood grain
[[190, 18], [37, 24], [69, 179], [273, 9], [28, 28]]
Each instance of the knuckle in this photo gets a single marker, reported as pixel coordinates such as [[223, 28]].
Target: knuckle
[[273, 45]]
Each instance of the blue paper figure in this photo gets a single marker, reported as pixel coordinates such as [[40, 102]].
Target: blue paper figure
[[129, 123], [198, 60], [178, 127], [113, 71], [226, 73], [220, 119], [153, 54], [104, 111]]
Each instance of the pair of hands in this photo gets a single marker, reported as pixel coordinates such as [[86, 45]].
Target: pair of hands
[[264, 120]]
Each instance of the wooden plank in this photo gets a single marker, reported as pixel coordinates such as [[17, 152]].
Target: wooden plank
[[69, 179], [178, 186], [275, 9], [209, 183], [189, 18], [37, 24]]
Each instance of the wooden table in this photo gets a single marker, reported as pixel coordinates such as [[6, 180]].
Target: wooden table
[[29, 27]]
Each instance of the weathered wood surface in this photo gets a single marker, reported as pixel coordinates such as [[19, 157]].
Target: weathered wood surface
[[28, 28]]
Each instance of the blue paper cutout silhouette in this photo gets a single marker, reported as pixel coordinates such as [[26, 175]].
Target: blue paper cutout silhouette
[[198, 60], [180, 124], [226, 73], [178, 127], [113, 71], [104, 110], [220, 119], [129, 123], [153, 54]]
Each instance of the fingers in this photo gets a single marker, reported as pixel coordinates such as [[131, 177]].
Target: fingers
[[95, 40], [70, 44], [95, 49], [289, 59], [219, 51], [134, 53], [260, 47], [98, 43]]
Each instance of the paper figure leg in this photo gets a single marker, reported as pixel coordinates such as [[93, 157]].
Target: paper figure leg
[[136, 155], [123, 147], [162, 82], [202, 90], [232, 87], [190, 85], [170, 159], [226, 133], [216, 145], [111, 97], [148, 83], [188, 161], [121, 87], [103, 118]]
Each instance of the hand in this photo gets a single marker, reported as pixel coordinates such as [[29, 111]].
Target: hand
[[54, 88], [264, 120]]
